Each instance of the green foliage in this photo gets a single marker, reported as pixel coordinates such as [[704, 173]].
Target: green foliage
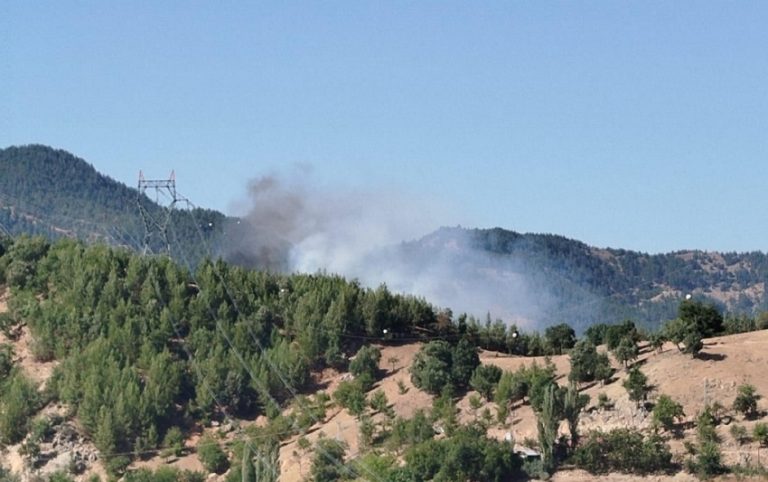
[[623, 450], [547, 422], [350, 394], [636, 385], [705, 317], [573, 404], [401, 388], [614, 334], [595, 334], [484, 380], [739, 434], [437, 365], [760, 433], [379, 402], [626, 351], [666, 411], [705, 425], [468, 455], [55, 194], [7, 476], [19, 401], [587, 364], [560, 337], [695, 321], [375, 466], [366, 363], [431, 368], [6, 361], [746, 400], [328, 462], [60, 477], [406, 432], [51, 192], [211, 455], [528, 381], [656, 340], [254, 461], [163, 474], [603, 401], [148, 342], [512, 386], [464, 361], [708, 460], [173, 443]]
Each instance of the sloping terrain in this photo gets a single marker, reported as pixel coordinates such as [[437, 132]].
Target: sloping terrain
[[725, 363], [533, 279], [50, 192], [544, 278]]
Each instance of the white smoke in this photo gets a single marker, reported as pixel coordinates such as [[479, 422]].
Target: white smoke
[[290, 225]]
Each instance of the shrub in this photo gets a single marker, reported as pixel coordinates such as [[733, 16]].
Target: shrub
[[211, 455], [19, 401], [636, 385], [739, 434], [746, 401], [560, 337], [604, 402], [708, 460], [666, 411], [623, 450], [173, 443], [705, 425], [438, 364], [760, 432], [350, 395], [366, 363], [379, 402], [468, 455], [484, 380], [328, 462], [626, 351]]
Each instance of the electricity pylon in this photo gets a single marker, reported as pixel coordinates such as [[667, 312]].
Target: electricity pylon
[[156, 221]]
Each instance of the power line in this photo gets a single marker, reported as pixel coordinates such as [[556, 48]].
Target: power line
[[258, 344]]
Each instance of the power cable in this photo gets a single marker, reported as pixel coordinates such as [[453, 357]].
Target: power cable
[[257, 342]]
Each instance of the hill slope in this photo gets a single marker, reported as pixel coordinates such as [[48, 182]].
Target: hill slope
[[536, 279], [549, 279], [54, 193]]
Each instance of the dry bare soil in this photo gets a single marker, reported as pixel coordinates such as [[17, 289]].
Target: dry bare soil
[[725, 363]]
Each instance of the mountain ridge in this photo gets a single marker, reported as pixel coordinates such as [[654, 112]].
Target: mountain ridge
[[54, 193]]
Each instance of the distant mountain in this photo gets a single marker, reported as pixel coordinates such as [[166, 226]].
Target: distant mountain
[[551, 278], [56, 194], [529, 278]]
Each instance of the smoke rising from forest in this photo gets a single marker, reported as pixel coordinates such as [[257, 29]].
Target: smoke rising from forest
[[290, 225]]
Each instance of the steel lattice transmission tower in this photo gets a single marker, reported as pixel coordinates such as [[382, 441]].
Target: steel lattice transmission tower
[[156, 221]]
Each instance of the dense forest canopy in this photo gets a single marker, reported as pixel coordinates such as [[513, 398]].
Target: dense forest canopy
[[145, 344], [53, 193], [147, 349]]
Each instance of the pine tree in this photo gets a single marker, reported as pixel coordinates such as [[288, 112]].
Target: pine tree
[[548, 421]]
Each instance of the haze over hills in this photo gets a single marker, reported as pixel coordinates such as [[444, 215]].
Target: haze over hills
[[530, 279]]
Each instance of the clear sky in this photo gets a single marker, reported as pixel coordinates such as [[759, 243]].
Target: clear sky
[[641, 125]]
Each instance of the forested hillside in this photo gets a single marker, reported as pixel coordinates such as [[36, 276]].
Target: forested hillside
[[146, 355], [53, 193], [144, 345], [584, 285]]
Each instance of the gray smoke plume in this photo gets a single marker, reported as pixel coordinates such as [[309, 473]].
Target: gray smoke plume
[[376, 237]]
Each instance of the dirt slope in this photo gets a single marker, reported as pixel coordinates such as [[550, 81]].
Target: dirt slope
[[725, 363]]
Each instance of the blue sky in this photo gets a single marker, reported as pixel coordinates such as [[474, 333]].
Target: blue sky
[[641, 125]]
